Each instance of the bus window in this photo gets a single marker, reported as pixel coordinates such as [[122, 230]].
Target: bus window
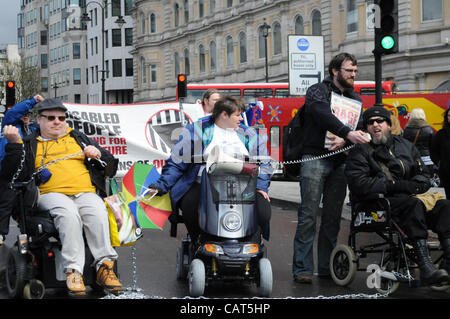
[[233, 92], [282, 93], [274, 137], [369, 91], [250, 95], [196, 94]]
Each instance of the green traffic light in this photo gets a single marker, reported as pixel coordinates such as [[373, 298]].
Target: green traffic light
[[387, 42]]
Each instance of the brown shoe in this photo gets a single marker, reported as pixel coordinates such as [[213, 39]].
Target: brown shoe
[[107, 279], [75, 284], [303, 279]]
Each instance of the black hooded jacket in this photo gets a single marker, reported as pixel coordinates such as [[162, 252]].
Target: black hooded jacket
[[319, 119], [365, 174]]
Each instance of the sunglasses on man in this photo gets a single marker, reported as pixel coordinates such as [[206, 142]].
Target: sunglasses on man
[[378, 120], [51, 118]]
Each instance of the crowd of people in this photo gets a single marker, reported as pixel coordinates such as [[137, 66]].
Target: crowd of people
[[392, 162]]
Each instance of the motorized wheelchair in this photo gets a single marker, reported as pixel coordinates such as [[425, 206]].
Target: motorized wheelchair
[[34, 262], [397, 260], [229, 247]]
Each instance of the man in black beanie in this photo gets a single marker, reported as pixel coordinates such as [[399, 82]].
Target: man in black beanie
[[391, 165]]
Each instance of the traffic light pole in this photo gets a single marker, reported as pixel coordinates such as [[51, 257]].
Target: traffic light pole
[[378, 86]]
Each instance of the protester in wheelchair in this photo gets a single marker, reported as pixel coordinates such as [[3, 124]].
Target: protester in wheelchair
[[391, 165], [68, 184]]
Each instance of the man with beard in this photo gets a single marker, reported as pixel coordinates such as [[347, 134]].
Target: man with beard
[[323, 178], [391, 165]]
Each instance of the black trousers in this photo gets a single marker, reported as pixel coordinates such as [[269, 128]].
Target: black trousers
[[411, 215], [7, 203], [189, 205]]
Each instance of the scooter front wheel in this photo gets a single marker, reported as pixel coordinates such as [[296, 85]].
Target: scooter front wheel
[[197, 278], [265, 277]]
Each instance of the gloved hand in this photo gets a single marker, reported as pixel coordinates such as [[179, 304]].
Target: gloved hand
[[407, 187]]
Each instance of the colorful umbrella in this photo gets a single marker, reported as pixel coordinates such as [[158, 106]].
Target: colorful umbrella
[[149, 214]]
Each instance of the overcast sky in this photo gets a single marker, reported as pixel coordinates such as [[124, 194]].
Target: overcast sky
[[8, 21]]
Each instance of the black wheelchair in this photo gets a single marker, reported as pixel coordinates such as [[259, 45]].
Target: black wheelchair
[[397, 262], [34, 262]]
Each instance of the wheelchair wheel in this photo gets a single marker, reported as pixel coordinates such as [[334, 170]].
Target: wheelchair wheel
[[15, 273], [343, 265], [181, 269], [387, 285], [35, 289]]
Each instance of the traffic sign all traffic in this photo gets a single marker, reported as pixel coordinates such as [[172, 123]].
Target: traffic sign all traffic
[[306, 62]]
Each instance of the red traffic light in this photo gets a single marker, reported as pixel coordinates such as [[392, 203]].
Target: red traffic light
[[181, 78], [11, 84]]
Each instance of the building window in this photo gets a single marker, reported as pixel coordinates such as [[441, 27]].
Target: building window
[[176, 59], [187, 65], [116, 37], [152, 23], [143, 71], [117, 67], [230, 52], [201, 58], [276, 36], [229, 3], [153, 73], [128, 7], [431, 10], [77, 76], [352, 16], [201, 8], [299, 28], [44, 37], [116, 10], [242, 48], [44, 84], [142, 17], [77, 98], [316, 23], [186, 11], [128, 67], [212, 6], [44, 60], [176, 15], [128, 36], [212, 56], [76, 51], [261, 47]]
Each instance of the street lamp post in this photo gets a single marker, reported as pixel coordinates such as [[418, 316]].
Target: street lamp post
[[120, 21], [265, 29]]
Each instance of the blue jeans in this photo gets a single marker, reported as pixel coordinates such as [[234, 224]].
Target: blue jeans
[[319, 179]]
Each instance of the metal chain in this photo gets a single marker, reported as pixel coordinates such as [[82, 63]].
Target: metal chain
[[313, 158], [41, 168]]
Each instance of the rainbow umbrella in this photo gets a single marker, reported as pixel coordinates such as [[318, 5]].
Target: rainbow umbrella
[[149, 214]]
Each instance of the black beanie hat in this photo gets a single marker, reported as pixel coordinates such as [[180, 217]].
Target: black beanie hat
[[376, 111]]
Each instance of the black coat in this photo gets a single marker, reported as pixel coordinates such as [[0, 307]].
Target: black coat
[[14, 155], [364, 172], [440, 153], [423, 141], [319, 119]]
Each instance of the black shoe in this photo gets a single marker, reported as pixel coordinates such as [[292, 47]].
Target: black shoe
[[303, 279], [429, 274]]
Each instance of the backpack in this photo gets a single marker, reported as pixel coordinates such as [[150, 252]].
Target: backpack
[[294, 139]]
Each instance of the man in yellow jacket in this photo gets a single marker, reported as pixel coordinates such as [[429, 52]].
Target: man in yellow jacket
[[68, 190]]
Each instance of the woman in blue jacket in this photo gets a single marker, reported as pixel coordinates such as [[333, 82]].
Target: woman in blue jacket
[[181, 175], [19, 116]]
